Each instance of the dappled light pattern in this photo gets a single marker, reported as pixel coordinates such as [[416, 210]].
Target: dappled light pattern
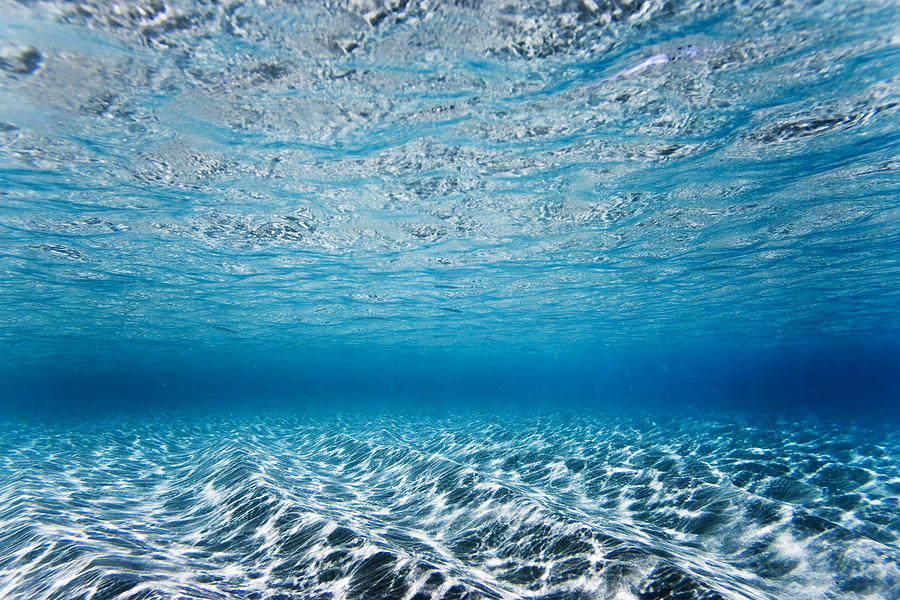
[[523, 506]]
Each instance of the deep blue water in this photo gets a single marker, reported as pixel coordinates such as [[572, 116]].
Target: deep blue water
[[422, 299]]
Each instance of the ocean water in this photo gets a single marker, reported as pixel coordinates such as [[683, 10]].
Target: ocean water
[[421, 299]]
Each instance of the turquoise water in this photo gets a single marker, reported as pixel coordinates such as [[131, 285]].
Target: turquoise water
[[419, 299]]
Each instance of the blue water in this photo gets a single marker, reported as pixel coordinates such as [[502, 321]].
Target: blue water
[[481, 299]]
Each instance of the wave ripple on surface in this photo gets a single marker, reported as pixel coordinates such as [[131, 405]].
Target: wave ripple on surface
[[630, 171]]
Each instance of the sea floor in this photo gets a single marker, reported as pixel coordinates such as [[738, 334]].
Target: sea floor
[[416, 506]]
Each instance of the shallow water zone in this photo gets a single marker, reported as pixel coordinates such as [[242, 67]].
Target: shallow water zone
[[442, 219], [562, 506]]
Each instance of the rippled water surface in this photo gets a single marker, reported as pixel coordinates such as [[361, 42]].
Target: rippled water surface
[[446, 174]]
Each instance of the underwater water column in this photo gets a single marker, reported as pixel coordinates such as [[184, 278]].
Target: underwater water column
[[432, 300]]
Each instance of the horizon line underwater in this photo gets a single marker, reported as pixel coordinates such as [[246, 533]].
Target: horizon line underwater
[[449, 300]]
